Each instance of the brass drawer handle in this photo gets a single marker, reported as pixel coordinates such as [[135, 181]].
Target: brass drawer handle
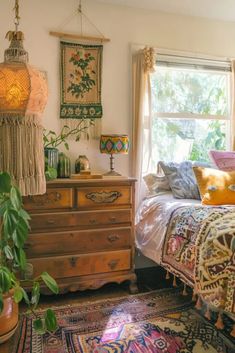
[[113, 237], [73, 261], [113, 219], [112, 264], [103, 196], [50, 221]]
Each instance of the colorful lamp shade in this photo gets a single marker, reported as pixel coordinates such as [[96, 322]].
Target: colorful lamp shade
[[23, 97], [114, 144]]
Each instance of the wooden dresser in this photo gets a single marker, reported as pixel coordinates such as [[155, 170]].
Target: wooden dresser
[[82, 233]]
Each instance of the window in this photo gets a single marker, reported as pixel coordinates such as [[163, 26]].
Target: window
[[190, 110]]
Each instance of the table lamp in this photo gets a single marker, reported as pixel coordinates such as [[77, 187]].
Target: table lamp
[[113, 144]]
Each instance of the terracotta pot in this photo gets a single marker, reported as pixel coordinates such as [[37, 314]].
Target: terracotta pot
[[8, 317]]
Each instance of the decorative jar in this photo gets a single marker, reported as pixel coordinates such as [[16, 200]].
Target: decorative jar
[[82, 163]]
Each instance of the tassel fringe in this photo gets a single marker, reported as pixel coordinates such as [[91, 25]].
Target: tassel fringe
[[167, 275], [22, 152], [198, 303], [194, 297], [208, 314], [174, 282], [184, 293], [219, 323], [232, 333]]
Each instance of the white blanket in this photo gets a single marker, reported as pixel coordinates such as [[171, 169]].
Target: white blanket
[[152, 219]]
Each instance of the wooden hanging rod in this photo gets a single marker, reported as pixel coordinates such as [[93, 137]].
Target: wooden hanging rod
[[77, 36]]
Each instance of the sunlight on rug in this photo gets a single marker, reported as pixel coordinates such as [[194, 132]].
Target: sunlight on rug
[[161, 321]]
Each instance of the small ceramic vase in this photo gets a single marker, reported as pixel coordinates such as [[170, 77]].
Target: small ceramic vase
[[82, 163], [64, 166]]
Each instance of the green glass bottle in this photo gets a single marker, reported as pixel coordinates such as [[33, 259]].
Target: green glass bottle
[[64, 166]]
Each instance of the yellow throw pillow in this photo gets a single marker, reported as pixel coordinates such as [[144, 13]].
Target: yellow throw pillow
[[216, 187]]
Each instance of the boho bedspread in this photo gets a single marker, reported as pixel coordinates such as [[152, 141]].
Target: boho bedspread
[[199, 248]]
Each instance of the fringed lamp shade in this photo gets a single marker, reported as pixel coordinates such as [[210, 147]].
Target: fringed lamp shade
[[113, 144], [23, 96]]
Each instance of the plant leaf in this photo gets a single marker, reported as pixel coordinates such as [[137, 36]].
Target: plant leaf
[[15, 198], [5, 182], [10, 219], [50, 320], [5, 280], [20, 258], [1, 302], [35, 294], [25, 296], [8, 253], [38, 326], [18, 295], [50, 282]]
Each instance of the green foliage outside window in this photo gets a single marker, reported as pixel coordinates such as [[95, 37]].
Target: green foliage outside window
[[190, 92]]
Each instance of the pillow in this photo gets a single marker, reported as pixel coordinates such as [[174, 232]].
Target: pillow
[[216, 187], [181, 179], [223, 160], [156, 183]]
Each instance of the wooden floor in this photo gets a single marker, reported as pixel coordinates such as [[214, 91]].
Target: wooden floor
[[148, 279]]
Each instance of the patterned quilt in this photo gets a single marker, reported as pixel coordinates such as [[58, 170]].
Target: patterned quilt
[[199, 248]]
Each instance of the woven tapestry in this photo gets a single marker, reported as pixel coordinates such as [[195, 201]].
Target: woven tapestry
[[81, 70]]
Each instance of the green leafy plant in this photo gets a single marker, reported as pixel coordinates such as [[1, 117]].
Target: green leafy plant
[[14, 228], [51, 139]]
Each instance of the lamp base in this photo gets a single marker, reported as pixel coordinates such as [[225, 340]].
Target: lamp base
[[112, 173]]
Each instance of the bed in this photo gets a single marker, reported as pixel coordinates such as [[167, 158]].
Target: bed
[[196, 243]]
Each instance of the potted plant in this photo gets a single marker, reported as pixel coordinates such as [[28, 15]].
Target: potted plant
[[14, 227], [52, 141]]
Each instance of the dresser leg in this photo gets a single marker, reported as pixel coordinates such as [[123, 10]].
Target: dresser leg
[[133, 287]]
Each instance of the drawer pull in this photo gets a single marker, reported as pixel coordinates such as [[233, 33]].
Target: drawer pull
[[103, 196], [73, 261], [50, 221], [112, 264], [113, 237]]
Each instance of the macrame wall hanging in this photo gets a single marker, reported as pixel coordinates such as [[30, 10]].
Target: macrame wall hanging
[[81, 75], [23, 96]]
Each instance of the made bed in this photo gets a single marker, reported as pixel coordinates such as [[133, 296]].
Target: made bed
[[194, 242]]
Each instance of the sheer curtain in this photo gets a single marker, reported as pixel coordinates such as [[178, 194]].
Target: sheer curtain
[[143, 62]]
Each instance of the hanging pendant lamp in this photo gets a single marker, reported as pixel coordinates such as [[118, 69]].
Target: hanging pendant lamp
[[23, 97]]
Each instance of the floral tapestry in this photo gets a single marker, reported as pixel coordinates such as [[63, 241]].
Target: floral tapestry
[[81, 67]]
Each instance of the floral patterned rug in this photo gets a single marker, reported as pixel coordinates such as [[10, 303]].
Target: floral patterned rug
[[161, 321]]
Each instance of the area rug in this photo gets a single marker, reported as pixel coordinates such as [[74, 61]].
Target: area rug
[[161, 321]]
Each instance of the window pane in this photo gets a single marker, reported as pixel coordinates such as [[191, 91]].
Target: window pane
[[194, 91], [181, 139]]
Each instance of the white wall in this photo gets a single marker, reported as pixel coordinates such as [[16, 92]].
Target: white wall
[[123, 26]]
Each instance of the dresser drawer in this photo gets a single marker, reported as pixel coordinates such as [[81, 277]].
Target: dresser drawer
[[64, 220], [79, 265], [103, 196], [53, 199], [46, 244]]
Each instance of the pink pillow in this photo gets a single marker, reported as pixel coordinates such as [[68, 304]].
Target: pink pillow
[[223, 160]]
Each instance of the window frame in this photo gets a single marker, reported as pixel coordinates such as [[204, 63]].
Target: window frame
[[182, 65]]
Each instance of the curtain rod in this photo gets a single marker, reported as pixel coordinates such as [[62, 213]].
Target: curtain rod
[[176, 52], [194, 57]]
